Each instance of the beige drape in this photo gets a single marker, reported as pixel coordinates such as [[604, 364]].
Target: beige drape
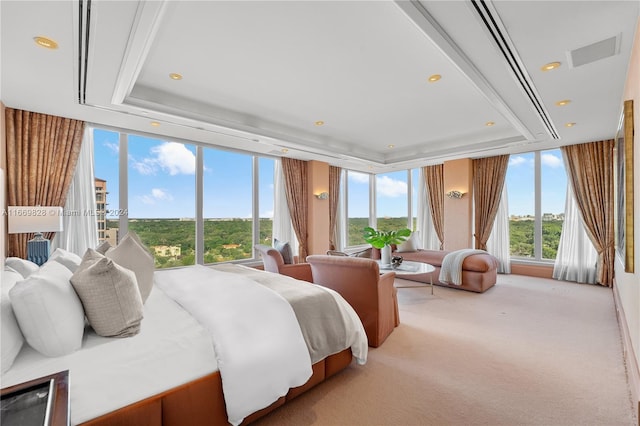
[[42, 151], [295, 181], [434, 179], [488, 180], [334, 198], [591, 173]]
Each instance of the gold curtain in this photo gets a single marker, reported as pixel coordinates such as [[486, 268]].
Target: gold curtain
[[295, 181], [42, 151], [488, 180], [591, 173], [334, 197], [434, 179]]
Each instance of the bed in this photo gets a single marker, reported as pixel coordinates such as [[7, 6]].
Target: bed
[[181, 368]]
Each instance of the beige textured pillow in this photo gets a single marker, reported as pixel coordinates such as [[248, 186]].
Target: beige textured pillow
[[133, 255], [103, 247], [110, 296]]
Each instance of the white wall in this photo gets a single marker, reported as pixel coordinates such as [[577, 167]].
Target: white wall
[[628, 285]]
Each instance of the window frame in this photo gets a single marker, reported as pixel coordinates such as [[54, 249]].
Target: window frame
[[123, 186]]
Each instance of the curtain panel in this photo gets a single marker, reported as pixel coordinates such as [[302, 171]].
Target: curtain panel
[[334, 198], [434, 179], [81, 228], [428, 237], [498, 243], [590, 170], [42, 151], [488, 180], [296, 183], [282, 226]]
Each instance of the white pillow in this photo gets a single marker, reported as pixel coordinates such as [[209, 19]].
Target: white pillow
[[11, 337], [49, 311], [66, 258], [133, 255], [109, 294], [410, 244], [23, 266]]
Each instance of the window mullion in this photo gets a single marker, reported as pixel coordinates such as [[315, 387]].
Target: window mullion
[[537, 237], [123, 186], [199, 205]]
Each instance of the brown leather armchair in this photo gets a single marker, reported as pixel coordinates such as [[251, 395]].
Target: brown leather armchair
[[358, 280], [273, 262]]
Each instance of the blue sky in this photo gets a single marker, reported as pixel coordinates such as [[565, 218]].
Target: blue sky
[[162, 182], [520, 183], [162, 179]]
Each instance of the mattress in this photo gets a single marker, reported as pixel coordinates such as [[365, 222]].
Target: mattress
[[171, 349]]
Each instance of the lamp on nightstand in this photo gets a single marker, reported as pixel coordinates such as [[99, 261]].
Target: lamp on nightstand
[[38, 219]]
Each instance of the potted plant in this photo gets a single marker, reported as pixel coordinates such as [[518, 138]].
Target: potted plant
[[383, 239]]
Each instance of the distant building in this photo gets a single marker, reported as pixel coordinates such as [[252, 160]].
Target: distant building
[[101, 207], [231, 246], [168, 251], [111, 235]]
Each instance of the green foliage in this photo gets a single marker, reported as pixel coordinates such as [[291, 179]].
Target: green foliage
[[224, 240], [232, 239], [521, 234], [379, 239]]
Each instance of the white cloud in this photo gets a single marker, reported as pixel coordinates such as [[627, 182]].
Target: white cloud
[[388, 187], [115, 147], [551, 160], [156, 194], [171, 157], [175, 158], [144, 167], [268, 213], [358, 177], [517, 160]]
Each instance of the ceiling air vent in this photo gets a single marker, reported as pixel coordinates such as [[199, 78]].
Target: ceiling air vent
[[594, 52]]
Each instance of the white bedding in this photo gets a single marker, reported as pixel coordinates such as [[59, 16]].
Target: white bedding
[[261, 352], [174, 348], [109, 373]]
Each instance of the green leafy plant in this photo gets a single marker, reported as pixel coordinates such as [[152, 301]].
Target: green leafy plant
[[379, 239]]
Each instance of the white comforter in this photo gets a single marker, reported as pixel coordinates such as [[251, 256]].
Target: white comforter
[[261, 353]]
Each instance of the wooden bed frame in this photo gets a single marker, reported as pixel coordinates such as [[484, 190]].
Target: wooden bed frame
[[201, 401]]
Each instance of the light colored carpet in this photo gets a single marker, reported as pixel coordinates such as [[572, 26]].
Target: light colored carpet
[[527, 352]]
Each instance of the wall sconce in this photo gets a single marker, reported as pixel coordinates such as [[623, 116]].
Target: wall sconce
[[455, 194], [38, 219], [322, 196]]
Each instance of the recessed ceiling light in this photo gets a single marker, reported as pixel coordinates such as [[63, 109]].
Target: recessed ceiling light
[[434, 77], [46, 42], [391, 146], [489, 123], [154, 123], [550, 66], [319, 123], [284, 150], [570, 124], [175, 76], [563, 102]]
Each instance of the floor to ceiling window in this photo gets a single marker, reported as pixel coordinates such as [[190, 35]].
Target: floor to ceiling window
[[106, 147], [387, 201], [228, 203], [536, 184], [358, 188], [150, 186], [392, 200], [162, 198]]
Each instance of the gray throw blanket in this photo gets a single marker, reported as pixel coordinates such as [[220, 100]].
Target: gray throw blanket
[[317, 311], [451, 268]]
